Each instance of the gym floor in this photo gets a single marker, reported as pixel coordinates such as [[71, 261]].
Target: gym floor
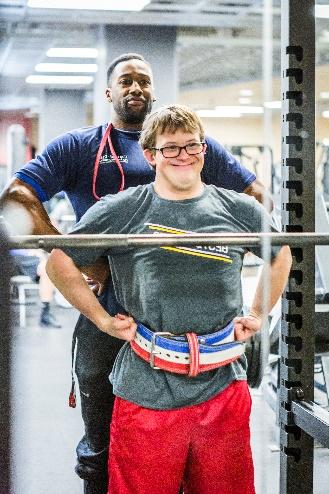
[[46, 430]]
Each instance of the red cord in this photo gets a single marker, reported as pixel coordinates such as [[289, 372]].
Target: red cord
[[115, 156], [107, 137]]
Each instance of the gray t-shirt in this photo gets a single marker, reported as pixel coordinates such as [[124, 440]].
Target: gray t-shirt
[[169, 288]]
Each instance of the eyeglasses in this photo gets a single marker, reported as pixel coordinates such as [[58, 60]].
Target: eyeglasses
[[174, 151]]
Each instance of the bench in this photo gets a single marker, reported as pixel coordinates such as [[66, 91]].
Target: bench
[[20, 284]]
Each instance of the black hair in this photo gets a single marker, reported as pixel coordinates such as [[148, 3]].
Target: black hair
[[125, 57]]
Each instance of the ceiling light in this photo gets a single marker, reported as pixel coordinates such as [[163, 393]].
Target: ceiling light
[[218, 114], [324, 95], [322, 11], [244, 101], [72, 52], [66, 67], [272, 104], [231, 111], [59, 79], [133, 5], [325, 114], [241, 109], [246, 92], [18, 102]]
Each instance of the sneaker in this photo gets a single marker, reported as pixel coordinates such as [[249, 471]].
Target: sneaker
[[47, 319]]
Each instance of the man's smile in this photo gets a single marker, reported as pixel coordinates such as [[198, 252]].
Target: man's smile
[[136, 102]]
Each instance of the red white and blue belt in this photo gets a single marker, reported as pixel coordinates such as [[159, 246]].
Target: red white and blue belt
[[189, 353]]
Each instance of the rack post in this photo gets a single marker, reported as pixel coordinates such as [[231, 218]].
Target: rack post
[[298, 215]]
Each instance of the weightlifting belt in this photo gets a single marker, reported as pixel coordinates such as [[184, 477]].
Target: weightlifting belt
[[189, 353]]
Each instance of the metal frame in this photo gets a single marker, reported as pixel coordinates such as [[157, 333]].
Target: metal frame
[[298, 215], [5, 356], [313, 419]]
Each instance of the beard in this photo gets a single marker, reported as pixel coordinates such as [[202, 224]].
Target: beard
[[132, 115]]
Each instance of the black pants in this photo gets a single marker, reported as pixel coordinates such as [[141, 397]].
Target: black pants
[[95, 357]]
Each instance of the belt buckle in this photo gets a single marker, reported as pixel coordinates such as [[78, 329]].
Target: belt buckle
[[153, 353]]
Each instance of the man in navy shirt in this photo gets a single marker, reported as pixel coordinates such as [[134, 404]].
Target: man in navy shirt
[[87, 164]]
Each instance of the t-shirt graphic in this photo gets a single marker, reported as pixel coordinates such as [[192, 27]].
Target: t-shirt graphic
[[215, 252], [108, 159]]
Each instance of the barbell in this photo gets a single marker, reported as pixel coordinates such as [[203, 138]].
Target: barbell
[[256, 351], [163, 239]]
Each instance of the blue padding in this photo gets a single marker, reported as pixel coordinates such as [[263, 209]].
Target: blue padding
[[28, 180]]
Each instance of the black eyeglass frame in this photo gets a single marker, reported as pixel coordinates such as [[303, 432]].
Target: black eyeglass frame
[[180, 149]]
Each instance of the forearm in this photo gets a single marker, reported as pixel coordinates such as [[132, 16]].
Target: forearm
[[69, 280], [258, 191], [99, 271], [271, 284], [18, 192]]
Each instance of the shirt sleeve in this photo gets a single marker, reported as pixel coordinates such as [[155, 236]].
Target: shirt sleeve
[[54, 169], [94, 222], [261, 218], [223, 170]]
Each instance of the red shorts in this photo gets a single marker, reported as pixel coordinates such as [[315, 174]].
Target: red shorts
[[205, 447]]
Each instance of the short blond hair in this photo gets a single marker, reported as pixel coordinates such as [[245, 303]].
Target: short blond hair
[[169, 118]]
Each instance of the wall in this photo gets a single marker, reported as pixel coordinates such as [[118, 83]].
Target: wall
[[249, 130]]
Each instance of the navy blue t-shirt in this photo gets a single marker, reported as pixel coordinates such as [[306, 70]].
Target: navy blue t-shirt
[[67, 164]]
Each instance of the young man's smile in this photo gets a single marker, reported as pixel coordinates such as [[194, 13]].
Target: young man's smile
[[178, 177]]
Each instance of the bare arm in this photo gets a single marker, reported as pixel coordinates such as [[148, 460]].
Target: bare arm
[[23, 194], [258, 191], [276, 276], [68, 279]]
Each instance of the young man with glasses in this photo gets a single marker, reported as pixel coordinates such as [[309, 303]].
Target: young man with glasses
[[68, 164], [182, 405]]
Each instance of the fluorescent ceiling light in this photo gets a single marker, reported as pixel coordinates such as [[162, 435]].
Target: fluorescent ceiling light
[[325, 114], [244, 101], [66, 67], [18, 103], [272, 104], [241, 109], [218, 114], [231, 111], [322, 11], [133, 5], [246, 92], [324, 95], [59, 79], [72, 52]]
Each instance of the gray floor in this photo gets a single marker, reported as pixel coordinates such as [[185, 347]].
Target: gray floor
[[46, 430]]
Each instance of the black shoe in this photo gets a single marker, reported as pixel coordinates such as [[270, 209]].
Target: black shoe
[[47, 319], [95, 486], [92, 483], [50, 321]]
